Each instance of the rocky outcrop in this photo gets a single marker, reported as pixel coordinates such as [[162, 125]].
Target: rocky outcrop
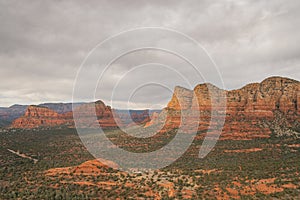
[[246, 108], [90, 167], [249, 112], [275, 93], [154, 118], [90, 115], [182, 99], [9, 114], [38, 116]]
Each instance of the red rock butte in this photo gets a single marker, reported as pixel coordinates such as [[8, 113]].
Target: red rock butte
[[37, 116], [251, 111], [91, 115]]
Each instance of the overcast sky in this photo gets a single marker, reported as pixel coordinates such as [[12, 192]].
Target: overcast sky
[[43, 44]]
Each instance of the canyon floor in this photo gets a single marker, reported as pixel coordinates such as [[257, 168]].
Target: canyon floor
[[261, 168]]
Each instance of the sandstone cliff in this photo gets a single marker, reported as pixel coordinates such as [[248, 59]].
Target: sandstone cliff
[[248, 110], [104, 116], [9, 114], [40, 116]]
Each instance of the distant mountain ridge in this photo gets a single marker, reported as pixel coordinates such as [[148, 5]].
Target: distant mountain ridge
[[61, 107], [9, 114], [251, 111], [37, 116]]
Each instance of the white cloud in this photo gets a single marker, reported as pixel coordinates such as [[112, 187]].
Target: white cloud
[[43, 44]]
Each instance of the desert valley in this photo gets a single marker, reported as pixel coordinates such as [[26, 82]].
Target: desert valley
[[257, 155]]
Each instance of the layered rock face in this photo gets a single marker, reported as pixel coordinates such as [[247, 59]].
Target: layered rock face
[[9, 114], [248, 110], [274, 93], [90, 115], [37, 116], [182, 99], [154, 118]]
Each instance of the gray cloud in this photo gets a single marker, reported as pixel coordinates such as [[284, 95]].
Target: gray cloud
[[44, 43]]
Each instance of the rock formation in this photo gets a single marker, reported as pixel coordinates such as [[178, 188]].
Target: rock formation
[[38, 116], [247, 109], [249, 112], [9, 114], [90, 115]]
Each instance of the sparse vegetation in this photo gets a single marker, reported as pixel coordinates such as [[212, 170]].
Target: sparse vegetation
[[272, 172]]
